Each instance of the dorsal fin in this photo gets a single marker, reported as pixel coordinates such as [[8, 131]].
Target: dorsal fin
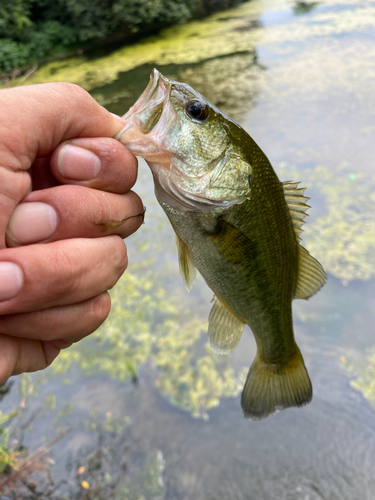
[[187, 269], [297, 204], [311, 275]]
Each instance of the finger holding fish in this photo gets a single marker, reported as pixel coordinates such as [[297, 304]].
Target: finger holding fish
[[74, 270], [59, 322], [52, 214], [97, 163]]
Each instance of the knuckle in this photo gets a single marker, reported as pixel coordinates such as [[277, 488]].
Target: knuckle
[[100, 309], [5, 373], [8, 356], [71, 89], [119, 259], [63, 265]]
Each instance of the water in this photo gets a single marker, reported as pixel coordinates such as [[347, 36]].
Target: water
[[146, 391]]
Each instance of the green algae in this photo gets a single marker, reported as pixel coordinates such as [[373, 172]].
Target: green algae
[[183, 44], [342, 235], [147, 326], [362, 371]]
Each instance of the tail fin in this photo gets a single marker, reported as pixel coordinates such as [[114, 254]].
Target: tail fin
[[271, 387]]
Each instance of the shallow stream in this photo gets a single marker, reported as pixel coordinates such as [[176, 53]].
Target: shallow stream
[[146, 389]]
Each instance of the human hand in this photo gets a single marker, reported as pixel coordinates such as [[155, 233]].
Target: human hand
[[55, 293]]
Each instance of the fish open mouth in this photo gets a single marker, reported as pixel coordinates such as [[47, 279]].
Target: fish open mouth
[[146, 95], [147, 110]]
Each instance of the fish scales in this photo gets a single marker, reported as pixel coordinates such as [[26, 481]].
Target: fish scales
[[234, 224]]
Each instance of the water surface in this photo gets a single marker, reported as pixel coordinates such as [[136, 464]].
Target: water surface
[[299, 77]]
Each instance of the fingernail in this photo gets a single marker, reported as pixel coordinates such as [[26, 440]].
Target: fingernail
[[118, 118], [30, 223], [11, 280], [78, 164]]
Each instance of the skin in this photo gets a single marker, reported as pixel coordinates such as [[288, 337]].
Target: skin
[[62, 295]]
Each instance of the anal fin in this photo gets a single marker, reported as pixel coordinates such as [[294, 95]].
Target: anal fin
[[187, 269], [224, 329]]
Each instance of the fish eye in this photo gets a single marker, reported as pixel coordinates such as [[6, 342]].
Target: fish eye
[[196, 110]]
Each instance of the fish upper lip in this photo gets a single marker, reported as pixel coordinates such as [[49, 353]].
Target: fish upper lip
[[151, 101], [157, 80]]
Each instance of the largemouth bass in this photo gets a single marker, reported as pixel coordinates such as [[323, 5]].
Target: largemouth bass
[[238, 225]]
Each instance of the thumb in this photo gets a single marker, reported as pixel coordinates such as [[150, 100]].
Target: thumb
[[33, 121]]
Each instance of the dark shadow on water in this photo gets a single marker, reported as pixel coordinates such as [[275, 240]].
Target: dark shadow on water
[[5, 389], [301, 7], [229, 81]]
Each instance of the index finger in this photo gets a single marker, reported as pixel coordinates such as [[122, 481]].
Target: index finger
[[33, 121]]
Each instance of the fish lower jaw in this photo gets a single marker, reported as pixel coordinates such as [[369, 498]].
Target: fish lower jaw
[[138, 145]]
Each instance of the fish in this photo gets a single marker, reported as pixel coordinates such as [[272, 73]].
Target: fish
[[235, 223]]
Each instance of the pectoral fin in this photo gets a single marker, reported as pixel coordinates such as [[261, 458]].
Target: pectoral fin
[[187, 269], [232, 243], [224, 329]]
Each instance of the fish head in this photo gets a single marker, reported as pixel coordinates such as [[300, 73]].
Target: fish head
[[197, 154]]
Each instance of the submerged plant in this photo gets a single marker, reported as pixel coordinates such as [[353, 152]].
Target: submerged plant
[[342, 236], [147, 326], [19, 468], [362, 369]]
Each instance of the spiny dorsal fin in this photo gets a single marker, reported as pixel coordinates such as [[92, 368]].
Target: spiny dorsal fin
[[187, 269], [311, 275], [297, 204], [224, 329]]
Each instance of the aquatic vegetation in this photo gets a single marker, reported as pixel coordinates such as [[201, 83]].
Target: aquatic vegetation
[[175, 45], [101, 474], [193, 382], [146, 325], [342, 235], [362, 370], [232, 90], [148, 482], [20, 470], [32, 30]]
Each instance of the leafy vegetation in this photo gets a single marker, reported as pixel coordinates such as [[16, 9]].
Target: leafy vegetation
[[32, 30]]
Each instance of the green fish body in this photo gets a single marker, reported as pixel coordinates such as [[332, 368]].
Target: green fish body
[[238, 225]]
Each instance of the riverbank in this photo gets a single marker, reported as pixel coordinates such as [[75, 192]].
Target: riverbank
[[33, 35]]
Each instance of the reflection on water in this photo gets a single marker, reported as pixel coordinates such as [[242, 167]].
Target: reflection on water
[[299, 77]]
